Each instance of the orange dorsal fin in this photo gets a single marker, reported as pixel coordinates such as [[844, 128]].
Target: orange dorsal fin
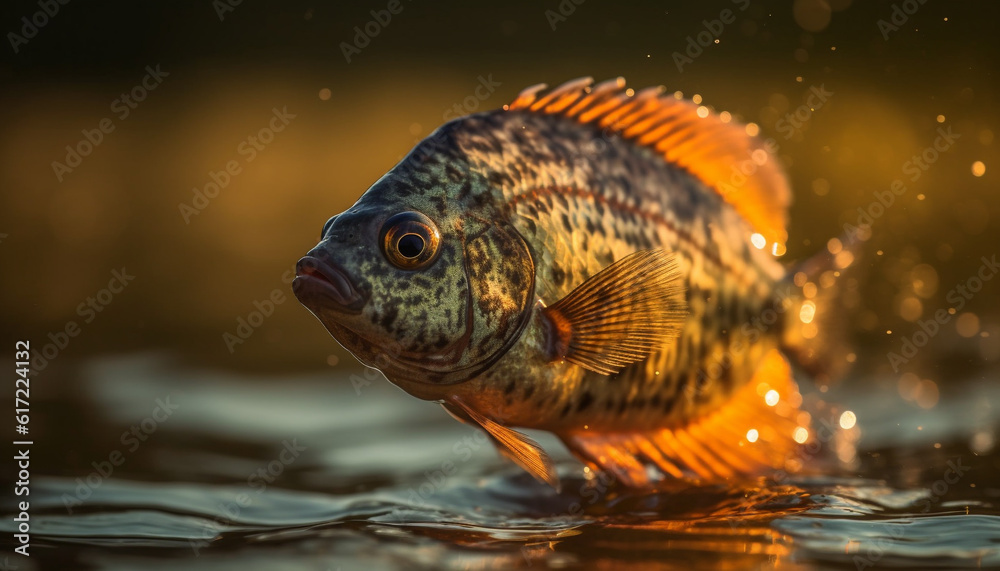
[[708, 145], [748, 436]]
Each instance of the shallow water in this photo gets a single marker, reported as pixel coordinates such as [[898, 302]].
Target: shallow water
[[373, 479]]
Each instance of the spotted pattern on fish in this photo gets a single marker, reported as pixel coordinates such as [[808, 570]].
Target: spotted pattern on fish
[[532, 203], [583, 200]]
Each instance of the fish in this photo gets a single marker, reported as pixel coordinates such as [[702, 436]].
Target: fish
[[596, 262]]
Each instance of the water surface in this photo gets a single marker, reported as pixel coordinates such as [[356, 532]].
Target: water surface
[[305, 472]]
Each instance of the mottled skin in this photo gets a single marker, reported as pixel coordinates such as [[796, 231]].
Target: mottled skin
[[529, 206]]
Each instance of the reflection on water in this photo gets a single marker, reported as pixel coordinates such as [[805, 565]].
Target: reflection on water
[[304, 473]]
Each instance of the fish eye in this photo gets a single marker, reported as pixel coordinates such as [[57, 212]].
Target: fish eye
[[410, 240], [326, 227]]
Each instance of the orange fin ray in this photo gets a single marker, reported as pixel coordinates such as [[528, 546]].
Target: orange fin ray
[[745, 438], [619, 315], [515, 446], [688, 135]]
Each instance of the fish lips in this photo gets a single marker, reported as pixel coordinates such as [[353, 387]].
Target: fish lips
[[322, 285]]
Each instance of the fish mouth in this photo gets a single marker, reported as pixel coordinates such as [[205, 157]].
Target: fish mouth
[[319, 282]]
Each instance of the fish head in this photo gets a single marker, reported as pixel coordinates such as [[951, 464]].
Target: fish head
[[422, 280]]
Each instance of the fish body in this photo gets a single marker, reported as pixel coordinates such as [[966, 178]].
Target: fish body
[[581, 210], [581, 262]]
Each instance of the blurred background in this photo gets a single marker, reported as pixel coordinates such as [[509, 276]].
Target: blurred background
[[195, 275], [293, 109]]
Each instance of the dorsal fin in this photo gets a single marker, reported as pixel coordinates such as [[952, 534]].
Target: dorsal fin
[[709, 146]]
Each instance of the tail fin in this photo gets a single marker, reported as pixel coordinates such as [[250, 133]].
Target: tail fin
[[825, 295]]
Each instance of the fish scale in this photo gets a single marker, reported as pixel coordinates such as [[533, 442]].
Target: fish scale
[[564, 165]]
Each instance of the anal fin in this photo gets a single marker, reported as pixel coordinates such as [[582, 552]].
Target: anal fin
[[745, 438], [517, 447]]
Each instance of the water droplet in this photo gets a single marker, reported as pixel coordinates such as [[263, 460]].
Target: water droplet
[[807, 312], [821, 186], [927, 394], [834, 245], [967, 324], [982, 442], [911, 309], [801, 435], [809, 290]]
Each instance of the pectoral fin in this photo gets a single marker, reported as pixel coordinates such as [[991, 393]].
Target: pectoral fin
[[619, 315], [517, 447]]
